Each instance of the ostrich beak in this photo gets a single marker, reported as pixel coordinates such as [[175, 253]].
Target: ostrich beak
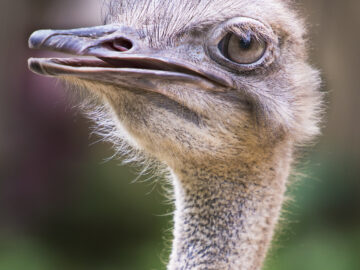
[[114, 55]]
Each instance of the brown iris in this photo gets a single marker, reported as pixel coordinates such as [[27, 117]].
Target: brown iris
[[244, 49]]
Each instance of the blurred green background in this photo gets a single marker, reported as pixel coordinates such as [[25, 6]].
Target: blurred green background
[[63, 207]]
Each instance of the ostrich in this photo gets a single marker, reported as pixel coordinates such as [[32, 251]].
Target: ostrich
[[220, 92]]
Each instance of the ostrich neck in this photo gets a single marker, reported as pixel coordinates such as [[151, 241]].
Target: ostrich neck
[[225, 217]]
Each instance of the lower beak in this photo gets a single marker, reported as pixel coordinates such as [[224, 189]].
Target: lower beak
[[115, 56]]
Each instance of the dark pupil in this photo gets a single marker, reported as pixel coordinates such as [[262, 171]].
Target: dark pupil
[[245, 42]]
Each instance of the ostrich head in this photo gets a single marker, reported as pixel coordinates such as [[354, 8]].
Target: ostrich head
[[219, 91]]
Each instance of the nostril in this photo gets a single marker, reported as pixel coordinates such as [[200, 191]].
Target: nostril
[[122, 44]]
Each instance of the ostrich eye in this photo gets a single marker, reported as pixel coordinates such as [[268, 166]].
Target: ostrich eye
[[242, 49]]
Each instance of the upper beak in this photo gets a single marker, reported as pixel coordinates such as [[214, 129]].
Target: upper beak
[[118, 57]]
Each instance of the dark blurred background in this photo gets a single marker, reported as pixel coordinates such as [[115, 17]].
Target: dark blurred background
[[63, 207]]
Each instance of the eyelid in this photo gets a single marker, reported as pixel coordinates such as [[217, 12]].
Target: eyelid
[[239, 25], [241, 30]]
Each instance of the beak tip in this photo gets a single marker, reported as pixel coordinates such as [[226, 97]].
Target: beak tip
[[35, 66], [38, 38]]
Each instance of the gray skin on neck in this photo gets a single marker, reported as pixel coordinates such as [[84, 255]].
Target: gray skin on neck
[[226, 132]]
